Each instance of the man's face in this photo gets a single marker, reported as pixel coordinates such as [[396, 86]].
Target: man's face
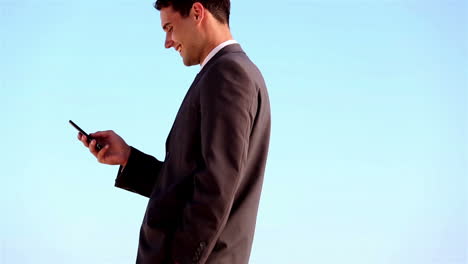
[[181, 34]]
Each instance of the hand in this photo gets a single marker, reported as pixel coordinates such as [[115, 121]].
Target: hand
[[114, 151]]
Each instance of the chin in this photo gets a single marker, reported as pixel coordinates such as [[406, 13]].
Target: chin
[[188, 62]]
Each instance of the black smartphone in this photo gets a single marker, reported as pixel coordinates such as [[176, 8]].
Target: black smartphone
[[88, 137]]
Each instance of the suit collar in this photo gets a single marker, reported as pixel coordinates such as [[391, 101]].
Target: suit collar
[[232, 48], [216, 50]]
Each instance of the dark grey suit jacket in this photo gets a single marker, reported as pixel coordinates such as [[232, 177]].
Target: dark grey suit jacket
[[204, 196]]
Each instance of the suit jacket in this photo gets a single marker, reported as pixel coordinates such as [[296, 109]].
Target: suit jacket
[[204, 196]]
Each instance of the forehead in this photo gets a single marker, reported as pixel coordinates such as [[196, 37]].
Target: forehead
[[168, 15]]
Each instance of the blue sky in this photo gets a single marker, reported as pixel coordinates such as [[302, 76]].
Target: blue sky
[[368, 155]]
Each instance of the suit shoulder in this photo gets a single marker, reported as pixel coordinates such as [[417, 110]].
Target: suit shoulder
[[233, 59], [236, 64]]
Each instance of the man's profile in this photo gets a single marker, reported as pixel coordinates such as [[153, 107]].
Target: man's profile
[[204, 195]]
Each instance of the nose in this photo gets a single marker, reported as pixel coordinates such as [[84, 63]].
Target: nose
[[169, 42]]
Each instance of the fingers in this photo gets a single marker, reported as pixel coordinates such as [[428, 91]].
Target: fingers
[[99, 154], [102, 153], [106, 139], [92, 147], [83, 139]]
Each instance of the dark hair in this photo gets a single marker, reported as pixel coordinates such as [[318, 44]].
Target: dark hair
[[219, 8]]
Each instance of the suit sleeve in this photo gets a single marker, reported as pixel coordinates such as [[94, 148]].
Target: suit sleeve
[[140, 174], [227, 97]]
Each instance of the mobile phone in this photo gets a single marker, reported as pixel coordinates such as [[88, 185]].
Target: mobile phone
[[88, 137]]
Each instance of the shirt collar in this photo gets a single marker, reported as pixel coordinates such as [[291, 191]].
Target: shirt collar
[[215, 50]]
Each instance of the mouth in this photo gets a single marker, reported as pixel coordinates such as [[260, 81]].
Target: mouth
[[179, 48]]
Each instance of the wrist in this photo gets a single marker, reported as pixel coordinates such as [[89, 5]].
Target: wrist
[[127, 153]]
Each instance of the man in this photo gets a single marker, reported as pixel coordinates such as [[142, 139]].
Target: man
[[204, 196]]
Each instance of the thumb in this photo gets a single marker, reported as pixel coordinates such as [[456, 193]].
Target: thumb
[[100, 134]]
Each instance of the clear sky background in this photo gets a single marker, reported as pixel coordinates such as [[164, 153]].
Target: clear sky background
[[368, 155]]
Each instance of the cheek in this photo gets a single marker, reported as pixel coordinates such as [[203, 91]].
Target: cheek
[[177, 33], [176, 36], [182, 34]]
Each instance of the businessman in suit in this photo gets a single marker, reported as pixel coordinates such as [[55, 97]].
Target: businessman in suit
[[204, 196]]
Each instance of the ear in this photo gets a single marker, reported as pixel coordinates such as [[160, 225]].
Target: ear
[[198, 11]]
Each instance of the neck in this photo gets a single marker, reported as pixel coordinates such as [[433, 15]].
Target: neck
[[215, 37]]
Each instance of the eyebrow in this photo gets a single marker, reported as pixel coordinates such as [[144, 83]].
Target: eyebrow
[[165, 25]]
